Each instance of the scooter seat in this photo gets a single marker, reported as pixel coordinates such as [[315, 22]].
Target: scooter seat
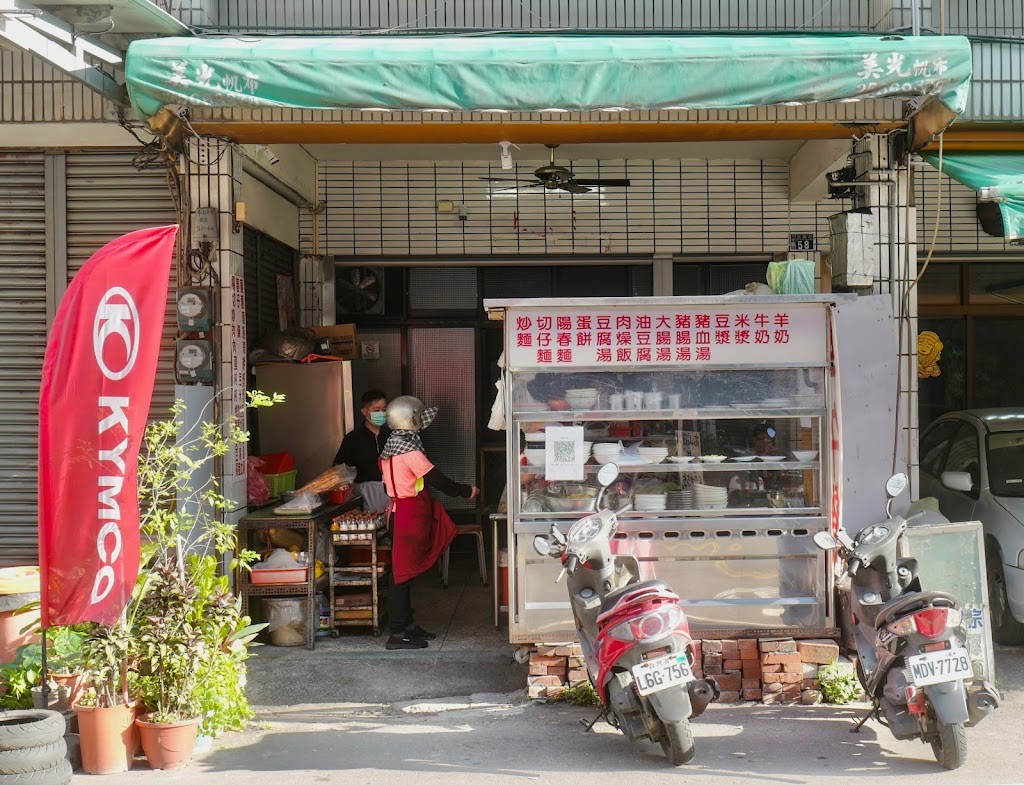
[[613, 597], [915, 601]]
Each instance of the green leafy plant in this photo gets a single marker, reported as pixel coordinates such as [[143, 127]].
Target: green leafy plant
[[182, 629], [17, 678], [838, 683], [580, 694]]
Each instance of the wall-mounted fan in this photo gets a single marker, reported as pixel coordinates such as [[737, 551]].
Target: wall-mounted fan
[[359, 290], [560, 178]]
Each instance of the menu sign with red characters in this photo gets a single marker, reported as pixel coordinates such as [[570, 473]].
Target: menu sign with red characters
[[667, 336]]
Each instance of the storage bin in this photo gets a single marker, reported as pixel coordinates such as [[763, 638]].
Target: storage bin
[[281, 483], [290, 575]]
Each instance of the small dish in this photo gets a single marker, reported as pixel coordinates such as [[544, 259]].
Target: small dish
[[772, 458], [744, 458], [713, 458], [805, 455], [680, 458]]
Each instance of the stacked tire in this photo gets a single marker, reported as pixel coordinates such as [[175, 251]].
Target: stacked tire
[[32, 748]]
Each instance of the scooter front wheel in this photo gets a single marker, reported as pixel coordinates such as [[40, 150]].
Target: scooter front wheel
[[677, 742], [950, 745]]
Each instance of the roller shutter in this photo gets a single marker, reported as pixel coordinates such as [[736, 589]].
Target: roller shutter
[[106, 198], [23, 330]]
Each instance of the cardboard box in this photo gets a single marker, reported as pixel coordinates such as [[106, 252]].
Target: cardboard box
[[342, 338]]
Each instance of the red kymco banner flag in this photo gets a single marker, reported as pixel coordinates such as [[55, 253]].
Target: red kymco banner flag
[[97, 384]]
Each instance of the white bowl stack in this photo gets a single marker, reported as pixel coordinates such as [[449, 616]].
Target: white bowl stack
[[650, 502], [534, 457], [711, 497], [581, 399], [653, 454], [606, 452]]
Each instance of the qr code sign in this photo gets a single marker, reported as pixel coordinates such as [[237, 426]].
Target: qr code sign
[[564, 451]]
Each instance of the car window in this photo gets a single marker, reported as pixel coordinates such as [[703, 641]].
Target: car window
[[1006, 463], [964, 454], [934, 446]]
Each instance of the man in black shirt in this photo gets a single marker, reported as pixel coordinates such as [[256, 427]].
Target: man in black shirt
[[361, 448]]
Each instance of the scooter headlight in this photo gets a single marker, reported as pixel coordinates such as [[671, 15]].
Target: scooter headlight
[[650, 627], [584, 529]]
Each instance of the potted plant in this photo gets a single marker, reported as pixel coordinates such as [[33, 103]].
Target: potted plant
[[21, 679], [64, 660]]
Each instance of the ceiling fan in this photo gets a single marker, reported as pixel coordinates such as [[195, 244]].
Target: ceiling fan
[[560, 178]]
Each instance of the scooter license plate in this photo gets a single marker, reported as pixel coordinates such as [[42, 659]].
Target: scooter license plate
[[662, 673], [936, 667]]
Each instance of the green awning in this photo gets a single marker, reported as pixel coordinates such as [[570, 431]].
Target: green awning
[[997, 177], [528, 73]]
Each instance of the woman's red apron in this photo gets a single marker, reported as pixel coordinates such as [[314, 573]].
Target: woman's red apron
[[422, 530]]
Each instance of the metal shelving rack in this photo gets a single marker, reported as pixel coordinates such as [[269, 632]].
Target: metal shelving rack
[[357, 577]]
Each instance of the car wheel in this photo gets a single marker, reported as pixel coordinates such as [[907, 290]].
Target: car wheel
[[1006, 630]]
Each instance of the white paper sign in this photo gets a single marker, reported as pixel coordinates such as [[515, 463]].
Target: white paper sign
[[563, 453], [668, 336]]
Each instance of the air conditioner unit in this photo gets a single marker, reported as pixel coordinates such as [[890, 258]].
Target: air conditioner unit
[[854, 249]]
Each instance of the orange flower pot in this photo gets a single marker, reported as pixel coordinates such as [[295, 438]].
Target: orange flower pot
[[109, 738], [168, 745]]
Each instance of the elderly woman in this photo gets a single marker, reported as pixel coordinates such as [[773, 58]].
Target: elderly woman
[[420, 527]]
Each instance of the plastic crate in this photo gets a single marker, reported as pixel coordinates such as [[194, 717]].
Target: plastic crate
[[281, 483], [260, 577]]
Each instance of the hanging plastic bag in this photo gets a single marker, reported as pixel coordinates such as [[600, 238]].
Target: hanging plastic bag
[[257, 490], [793, 277]]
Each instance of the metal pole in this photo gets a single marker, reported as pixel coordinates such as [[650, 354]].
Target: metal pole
[[915, 12], [43, 675]]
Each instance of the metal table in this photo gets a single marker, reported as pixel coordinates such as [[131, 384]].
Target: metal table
[[497, 519], [263, 519]]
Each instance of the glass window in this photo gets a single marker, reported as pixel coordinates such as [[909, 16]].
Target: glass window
[[998, 362], [935, 444], [941, 368], [1006, 463], [996, 284], [940, 285], [964, 455]]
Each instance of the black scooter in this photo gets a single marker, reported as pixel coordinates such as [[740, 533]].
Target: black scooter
[[912, 657]]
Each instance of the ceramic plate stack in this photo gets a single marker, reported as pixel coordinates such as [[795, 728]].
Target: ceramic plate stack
[[653, 454], [606, 452], [581, 399], [685, 499], [711, 497], [650, 502]]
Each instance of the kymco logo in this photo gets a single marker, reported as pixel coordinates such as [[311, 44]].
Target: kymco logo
[[116, 315]]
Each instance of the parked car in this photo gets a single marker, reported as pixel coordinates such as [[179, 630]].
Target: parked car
[[973, 463]]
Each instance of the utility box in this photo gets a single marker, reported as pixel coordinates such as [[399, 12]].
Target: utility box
[[854, 249]]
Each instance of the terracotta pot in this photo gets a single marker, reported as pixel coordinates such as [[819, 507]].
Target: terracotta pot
[[73, 683], [109, 738], [168, 745]]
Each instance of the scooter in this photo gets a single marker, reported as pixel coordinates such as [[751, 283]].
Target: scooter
[[912, 657], [634, 635]]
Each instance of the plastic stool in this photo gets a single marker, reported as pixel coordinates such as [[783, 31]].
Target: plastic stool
[[477, 530]]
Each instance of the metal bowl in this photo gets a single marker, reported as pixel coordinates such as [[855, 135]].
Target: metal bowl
[[562, 504]]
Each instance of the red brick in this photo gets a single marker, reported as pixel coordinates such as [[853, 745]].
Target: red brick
[[730, 647], [821, 652], [538, 669], [785, 659], [729, 696], [544, 681], [771, 669], [751, 684], [564, 651], [733, 665], [729, 681], [752, 695], [809, 684], [712, 647], [551, 692], [545, 650], [713, 658], [783, 646], [577, 662], [782, 678], [543, 659], [538, 691], [747, 645], [557, 670], [713, 670], [576, 676], [750, 656]]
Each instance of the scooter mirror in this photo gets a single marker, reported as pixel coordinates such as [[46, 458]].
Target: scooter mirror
[[896, 485], [557, 536], [608, 474], [825, 541], [541, 545]]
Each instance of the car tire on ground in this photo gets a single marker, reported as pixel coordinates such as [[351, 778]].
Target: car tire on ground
[[1006, 630], [45, 756], [55, 775], [30, 728]]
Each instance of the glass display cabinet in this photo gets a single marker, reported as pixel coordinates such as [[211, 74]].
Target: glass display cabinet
[[717, 413]]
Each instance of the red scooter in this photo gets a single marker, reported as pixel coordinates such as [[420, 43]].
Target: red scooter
[[634, 634]]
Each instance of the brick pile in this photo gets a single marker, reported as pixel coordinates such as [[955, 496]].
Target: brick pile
[[770, 670]]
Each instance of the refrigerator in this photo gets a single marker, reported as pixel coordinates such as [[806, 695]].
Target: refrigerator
[[321, 405]]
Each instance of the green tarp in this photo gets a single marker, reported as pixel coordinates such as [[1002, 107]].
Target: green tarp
[[525, 73], [1001, 173]]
